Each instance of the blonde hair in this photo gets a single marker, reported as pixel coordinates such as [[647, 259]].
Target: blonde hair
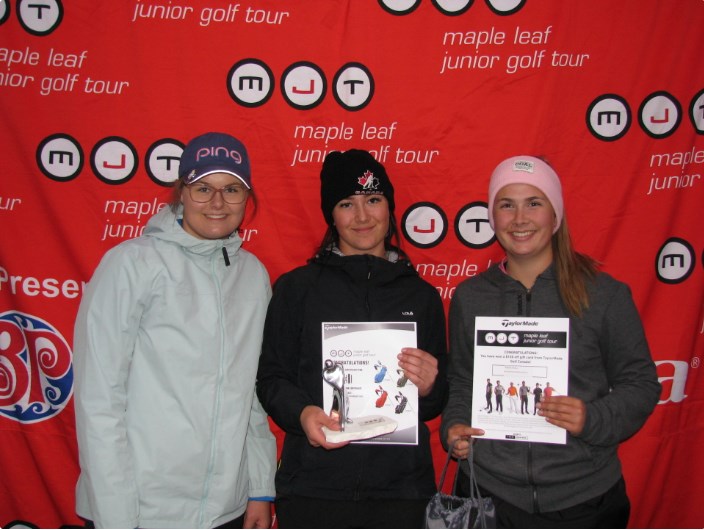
[[573, 270]]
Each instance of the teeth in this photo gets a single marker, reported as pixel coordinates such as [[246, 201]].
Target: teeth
[[522, 234]]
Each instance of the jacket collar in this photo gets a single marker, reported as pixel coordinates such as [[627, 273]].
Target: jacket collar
[[363, 267], [498, 274], [166, 225]]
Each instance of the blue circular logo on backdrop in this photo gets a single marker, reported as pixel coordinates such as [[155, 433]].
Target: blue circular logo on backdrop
[[36, 373]]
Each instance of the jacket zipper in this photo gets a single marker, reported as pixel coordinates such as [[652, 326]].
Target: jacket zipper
[[367, 306], [368, 309], [529, 456], [216, 411]]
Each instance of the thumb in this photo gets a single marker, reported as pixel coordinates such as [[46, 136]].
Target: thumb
[[332, 423], [465, 431]]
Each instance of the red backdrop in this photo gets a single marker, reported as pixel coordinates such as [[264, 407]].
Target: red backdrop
[[97, 99]]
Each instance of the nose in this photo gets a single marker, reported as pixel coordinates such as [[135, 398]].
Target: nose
[[361, 212], [217, 200], [519, 215]]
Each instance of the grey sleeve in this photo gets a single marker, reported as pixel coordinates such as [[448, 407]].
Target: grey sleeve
[[633, 381], [460, 366]]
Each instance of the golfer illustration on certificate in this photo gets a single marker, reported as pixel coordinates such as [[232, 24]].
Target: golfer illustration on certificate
[[518, 356], [361, 384]]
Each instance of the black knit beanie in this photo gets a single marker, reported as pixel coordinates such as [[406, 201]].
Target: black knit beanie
[[353, 172]]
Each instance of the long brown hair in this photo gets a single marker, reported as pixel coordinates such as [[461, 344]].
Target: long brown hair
[[573, 270]]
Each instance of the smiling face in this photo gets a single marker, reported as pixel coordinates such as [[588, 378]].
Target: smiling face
[[524, 221], [215, 219], [362, 222]]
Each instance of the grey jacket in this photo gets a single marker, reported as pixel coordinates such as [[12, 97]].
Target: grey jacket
[[610, 369]]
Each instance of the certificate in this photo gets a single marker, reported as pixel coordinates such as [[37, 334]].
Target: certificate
[[517, 362], [363, 384]]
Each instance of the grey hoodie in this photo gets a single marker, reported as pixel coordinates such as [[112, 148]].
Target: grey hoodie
[[610, 369]]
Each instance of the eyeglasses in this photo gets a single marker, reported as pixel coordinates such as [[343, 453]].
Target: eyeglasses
[[232, 194]]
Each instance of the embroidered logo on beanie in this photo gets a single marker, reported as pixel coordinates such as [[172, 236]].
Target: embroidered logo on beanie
[[368, 181]]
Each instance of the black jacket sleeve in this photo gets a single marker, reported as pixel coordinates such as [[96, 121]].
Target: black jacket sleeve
[[277, 387], [433, 339]]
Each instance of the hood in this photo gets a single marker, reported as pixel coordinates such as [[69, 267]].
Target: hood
[[497, 276], [166, 225], [513, 295], [365, 267]]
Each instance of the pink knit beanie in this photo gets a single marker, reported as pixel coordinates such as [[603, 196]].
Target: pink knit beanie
[[527, 170]]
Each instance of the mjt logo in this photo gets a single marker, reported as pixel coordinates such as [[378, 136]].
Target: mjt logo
[[36, 374]]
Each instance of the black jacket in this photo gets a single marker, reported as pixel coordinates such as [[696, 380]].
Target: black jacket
[[358, 288]]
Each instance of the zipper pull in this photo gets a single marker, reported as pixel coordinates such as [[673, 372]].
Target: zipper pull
[[227, 258]]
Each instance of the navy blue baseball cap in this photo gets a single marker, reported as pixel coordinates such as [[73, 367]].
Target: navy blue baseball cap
[[215, 152]]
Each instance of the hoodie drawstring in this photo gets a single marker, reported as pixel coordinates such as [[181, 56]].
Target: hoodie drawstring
[[224, 255]]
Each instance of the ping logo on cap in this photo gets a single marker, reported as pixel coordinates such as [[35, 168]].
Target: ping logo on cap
[[219, 151], [524, 165]]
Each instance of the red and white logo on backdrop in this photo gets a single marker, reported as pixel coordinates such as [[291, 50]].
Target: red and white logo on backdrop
[[36, 374]]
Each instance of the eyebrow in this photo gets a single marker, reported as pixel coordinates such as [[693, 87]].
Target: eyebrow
[[531, 198]]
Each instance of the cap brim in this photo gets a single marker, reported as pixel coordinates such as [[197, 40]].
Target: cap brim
[[213, 171]]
